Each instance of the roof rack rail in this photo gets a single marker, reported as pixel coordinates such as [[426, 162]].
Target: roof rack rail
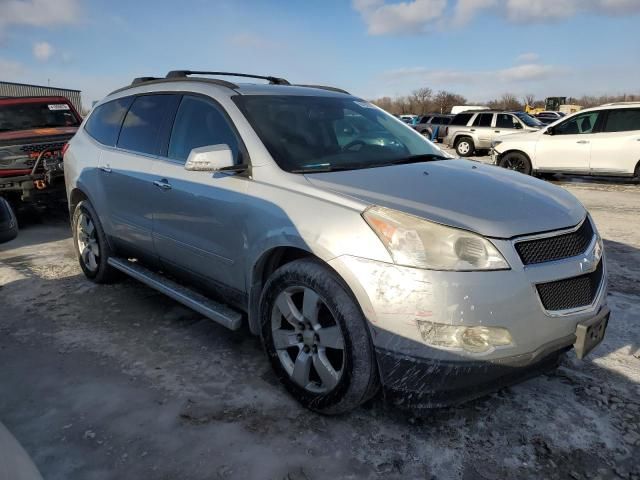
[[323, 87], [139, 80], [186, 73]]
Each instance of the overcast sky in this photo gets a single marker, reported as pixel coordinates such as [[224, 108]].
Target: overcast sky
[[479, 48]]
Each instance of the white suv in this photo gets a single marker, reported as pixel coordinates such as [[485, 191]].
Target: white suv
[[602, 140]]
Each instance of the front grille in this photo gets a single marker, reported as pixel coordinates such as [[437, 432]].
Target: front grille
[[556, 248], [38, 147], [53, 152], [572, 292]]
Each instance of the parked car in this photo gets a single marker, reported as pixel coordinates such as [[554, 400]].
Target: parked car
[[357, 263], [409, 119], [603, 140], [470, 132], [466, 108], [428, 124], [548, 117], [33, 132], [8, 222]]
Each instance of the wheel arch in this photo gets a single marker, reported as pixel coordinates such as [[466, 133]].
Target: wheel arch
[[267, 263]]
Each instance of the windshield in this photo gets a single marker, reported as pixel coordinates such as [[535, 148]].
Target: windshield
[[528, 120], [25, 116], [307, 133]]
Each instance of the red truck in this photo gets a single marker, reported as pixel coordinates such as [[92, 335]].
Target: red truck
[[33, 133]]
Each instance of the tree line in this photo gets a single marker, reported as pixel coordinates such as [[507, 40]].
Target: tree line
[[425, 100]]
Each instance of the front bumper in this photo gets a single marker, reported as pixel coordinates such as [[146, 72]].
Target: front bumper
[[397, 300], [423, 383]]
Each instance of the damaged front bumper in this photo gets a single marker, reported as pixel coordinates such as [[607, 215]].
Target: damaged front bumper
[[397, 301]]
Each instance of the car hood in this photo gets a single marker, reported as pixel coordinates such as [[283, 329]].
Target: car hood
[[489, 200]]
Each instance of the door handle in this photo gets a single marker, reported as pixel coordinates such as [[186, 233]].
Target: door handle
[[497, 131], [472, 130], [106, 169], [582, 141], [163, 184]]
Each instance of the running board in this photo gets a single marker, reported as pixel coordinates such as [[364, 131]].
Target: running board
[[218, 312]]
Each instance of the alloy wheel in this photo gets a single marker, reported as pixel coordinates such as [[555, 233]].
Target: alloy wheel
[[463, 147], [88, 242], [307, 339], [515, 163]]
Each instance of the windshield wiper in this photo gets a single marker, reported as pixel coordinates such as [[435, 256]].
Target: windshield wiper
[[323, 168], [425, 157]]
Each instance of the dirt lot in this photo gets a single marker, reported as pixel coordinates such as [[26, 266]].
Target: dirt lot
[[119, 382]]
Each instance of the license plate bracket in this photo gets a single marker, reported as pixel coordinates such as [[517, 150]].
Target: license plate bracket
[[590, 333]]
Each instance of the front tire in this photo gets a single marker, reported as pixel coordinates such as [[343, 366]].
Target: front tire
[[317, 339], [516, 161], [91, 244], [465, 147]]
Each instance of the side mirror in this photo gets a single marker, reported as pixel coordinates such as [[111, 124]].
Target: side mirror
[[517, 126], [8, 222], [549, 131], [210, 158]]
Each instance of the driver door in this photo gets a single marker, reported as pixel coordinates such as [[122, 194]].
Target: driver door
[[198, 219], [567, 146]]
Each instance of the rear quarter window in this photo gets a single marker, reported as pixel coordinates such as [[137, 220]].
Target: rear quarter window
[[105, 121], [461, 119]]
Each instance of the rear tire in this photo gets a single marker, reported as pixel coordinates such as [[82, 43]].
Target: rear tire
[[516, 161], [317, 339], [91, 245], [464, 146]]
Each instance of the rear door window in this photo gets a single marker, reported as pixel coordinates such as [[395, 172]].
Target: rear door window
[[200, 123], [623, 120], [461, 119], [105, 121], [483, 120], [145, 128]]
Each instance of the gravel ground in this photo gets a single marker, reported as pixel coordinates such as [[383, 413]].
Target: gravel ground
[[118, 381]]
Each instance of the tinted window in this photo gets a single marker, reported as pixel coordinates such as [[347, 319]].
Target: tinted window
[[199, 123], [505, 120], [579, 124], [144, 126], [483, 120], [105, 120], [623, 120], [461, 119]]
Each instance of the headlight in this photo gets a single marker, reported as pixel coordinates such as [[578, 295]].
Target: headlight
[[478, 339], [414, 242]]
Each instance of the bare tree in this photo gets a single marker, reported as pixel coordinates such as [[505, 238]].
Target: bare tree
[[420, 100], [510, 102], [529, 99], [444, 100]]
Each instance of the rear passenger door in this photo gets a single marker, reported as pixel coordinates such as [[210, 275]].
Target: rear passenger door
[[126, 172], [198, 219], [616, 149], [482, 128]]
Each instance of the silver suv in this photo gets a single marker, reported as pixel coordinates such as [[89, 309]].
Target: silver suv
[[356, 249], [470, 132]]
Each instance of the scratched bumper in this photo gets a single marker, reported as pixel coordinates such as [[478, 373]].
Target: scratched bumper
[[396, 299], [420, 383]]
